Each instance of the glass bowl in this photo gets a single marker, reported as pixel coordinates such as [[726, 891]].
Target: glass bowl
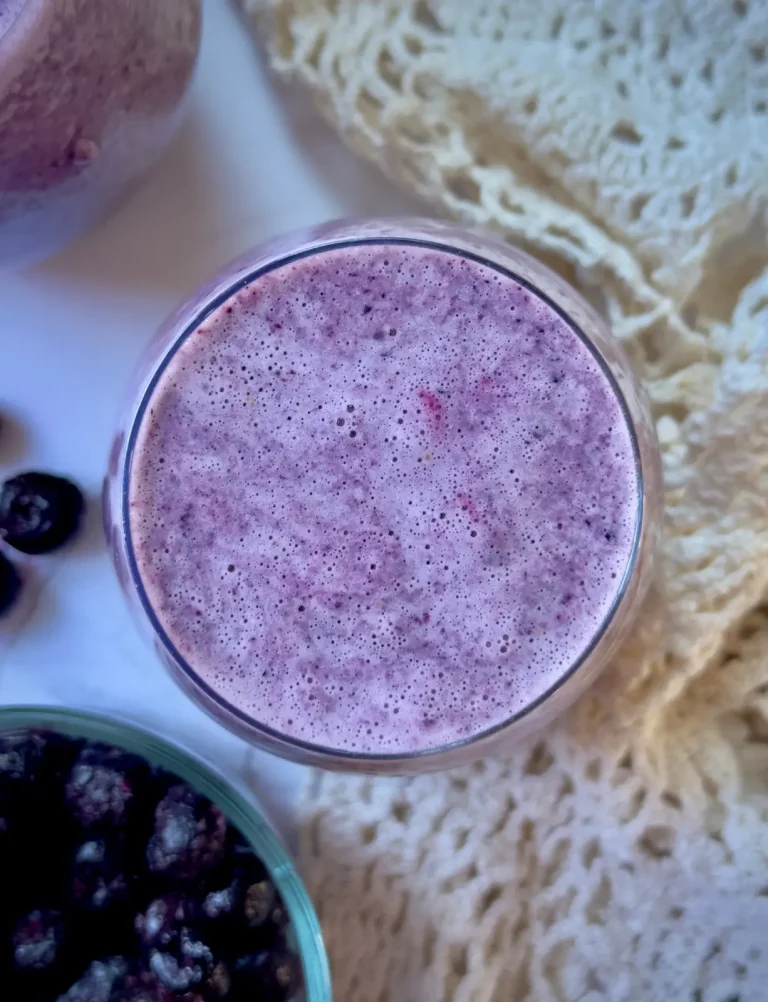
[[494, 254], [235, 803]]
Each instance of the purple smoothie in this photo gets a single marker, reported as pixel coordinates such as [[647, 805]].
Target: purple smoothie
[[90, 96], [383, 498]]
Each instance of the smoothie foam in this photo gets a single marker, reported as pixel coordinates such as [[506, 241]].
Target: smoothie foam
[[383, 498]]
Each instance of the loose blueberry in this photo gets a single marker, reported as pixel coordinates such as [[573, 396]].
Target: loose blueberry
[[190, 834], [98, 981], [39, 512], [10, 584]]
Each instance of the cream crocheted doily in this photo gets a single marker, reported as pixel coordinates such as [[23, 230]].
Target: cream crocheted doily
[[623, 855]]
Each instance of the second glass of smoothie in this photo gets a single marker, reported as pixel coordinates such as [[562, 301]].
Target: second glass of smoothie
[[386, 495], [91, 94]]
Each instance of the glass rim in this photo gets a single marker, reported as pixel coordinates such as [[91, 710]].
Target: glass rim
[[248, 724], [21, 20], [230, 796]]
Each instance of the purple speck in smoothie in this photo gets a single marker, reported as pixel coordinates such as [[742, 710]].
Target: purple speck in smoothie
[[385, 501]]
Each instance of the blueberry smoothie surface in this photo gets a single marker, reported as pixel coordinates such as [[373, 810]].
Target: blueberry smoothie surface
[[9, 11], [91, 93], [383, 498]]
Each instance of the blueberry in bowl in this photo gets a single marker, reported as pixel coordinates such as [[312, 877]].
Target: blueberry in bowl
[[135, 873]]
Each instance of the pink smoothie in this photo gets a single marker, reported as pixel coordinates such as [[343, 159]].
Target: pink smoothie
[[383, 498]]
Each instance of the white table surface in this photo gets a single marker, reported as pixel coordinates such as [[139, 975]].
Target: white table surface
[[253, 160]]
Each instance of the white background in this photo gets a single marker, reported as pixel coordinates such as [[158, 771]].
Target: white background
[[253, 160]]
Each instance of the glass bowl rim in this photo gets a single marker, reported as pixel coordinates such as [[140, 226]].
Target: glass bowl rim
[[443, 236], [232, 797]]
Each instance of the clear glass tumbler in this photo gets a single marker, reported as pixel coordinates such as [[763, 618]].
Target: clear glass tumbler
[[582, 320]]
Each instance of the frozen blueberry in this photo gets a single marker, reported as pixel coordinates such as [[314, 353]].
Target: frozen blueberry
[[30, 810], [98, 981], [39, 511], [20, 757], [243, 911], [260, 903], [13, 792], [270, 976], [38, 759], [218, 983], [220, 916], [179, 956], [186, 966], [190, 834], [10, 584], [37, 940], [51, 758], [99, 880], [221, 903], [160, 925], [101, 786], [140, 987]]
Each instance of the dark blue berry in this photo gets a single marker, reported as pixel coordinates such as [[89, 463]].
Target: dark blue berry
[[140, 987], [99, 880], [10, 584], [101, 785], [20, 757], [185, 967], [39, 512], [218, 983], [179, 956], [221, 903], [98, 981], [37, 940], [270, 976], [259, 903], [190, 834], [242, 910], [160, 924]]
